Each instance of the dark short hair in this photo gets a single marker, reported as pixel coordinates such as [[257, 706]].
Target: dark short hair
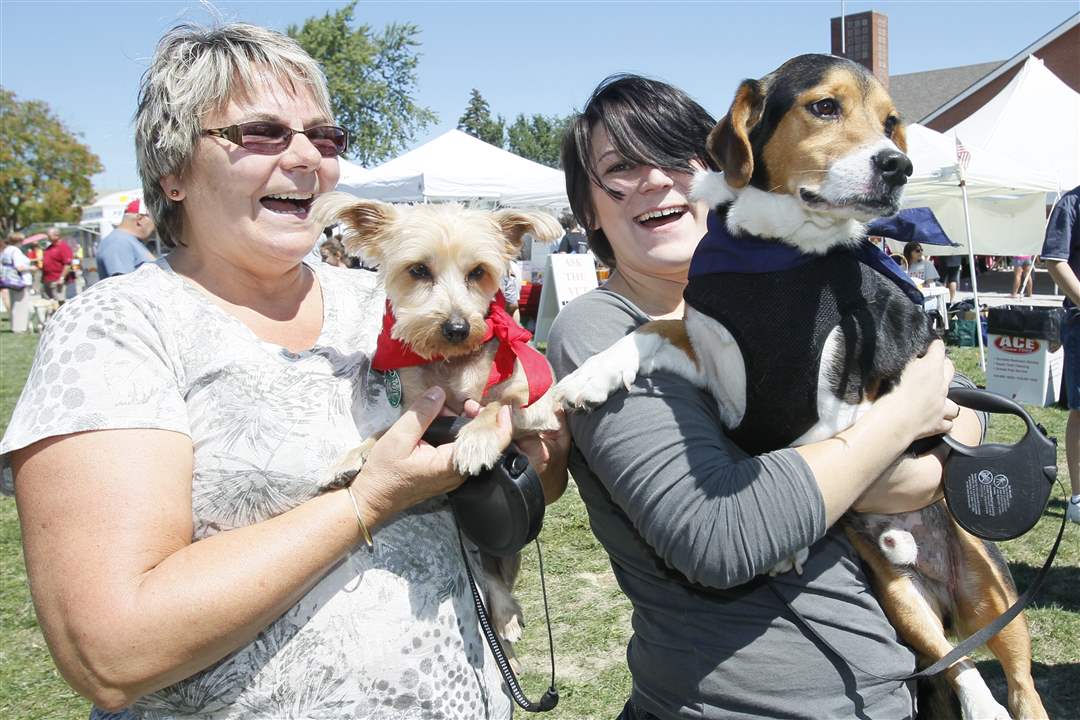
[[649, 122], [910, 248]]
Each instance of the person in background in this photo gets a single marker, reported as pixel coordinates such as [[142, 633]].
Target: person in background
[[333, 252], [689, 521], [175, 447], [949, 270], [17, 280], [1061, 251], [573, 239], [1023, 282], [124, 249], [918, 267], [55, 265]]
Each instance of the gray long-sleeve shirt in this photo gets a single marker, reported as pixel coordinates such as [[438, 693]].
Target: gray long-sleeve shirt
[[688, 521]]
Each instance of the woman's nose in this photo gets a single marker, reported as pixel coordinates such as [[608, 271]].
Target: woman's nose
[[656, 178]]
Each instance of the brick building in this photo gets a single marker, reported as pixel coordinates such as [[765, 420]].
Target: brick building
[[939, 99]]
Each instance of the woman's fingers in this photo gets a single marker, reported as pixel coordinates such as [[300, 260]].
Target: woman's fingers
[[404, 434]]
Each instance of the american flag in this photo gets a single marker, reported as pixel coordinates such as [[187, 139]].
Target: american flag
[[963, 157]]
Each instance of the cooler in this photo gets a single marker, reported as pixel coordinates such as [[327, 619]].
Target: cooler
[[1023, 354]]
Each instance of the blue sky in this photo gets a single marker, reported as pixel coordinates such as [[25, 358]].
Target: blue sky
[[85, 58]]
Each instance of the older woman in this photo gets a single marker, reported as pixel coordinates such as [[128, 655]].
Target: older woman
[[171, 445], [690, 524]]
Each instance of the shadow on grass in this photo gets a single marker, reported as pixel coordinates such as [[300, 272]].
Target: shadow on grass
[[1057, 685]]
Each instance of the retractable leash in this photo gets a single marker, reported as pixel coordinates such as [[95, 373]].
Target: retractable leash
[[501, 510], [995, 492]]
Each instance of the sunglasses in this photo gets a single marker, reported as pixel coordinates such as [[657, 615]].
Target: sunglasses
[[271, 138]]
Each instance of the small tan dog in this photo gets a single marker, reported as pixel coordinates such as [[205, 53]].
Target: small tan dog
[[442, 266]]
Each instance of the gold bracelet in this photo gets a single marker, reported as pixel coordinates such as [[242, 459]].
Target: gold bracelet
[[364, 533]]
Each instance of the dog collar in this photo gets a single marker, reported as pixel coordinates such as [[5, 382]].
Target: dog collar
[[391, 353], [722, 252]]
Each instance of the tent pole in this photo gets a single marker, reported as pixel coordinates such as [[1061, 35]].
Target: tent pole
[[974, 282]]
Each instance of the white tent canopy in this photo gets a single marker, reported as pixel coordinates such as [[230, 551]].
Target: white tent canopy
[[108, 210], [457, 166], [1035, 119], [1006, 200]]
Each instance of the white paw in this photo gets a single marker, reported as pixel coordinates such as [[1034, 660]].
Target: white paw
[[991, 710], [976, 700], [794, 562], [596, 380], [475, 451]]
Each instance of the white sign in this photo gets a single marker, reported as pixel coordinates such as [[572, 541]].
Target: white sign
[[565, 277], [1024, 369]]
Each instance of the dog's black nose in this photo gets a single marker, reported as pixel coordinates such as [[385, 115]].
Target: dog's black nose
[[455, 330], [894, 166]]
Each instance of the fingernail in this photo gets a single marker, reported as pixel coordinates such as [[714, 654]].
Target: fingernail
[[434, 394]]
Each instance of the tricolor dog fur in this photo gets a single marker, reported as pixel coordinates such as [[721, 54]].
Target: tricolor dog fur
[[441, 266], [809, 153]]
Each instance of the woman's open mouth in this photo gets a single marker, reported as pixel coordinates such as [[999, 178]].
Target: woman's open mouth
[[664, 216], [288, 203]]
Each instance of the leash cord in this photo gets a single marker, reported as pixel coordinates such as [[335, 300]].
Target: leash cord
[[551, 696], [965, 647]]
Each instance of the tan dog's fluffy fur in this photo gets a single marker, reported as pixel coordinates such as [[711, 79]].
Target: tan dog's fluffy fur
[[442, 263]]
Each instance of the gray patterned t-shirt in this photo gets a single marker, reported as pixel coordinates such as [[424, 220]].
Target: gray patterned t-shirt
[[385, 634]]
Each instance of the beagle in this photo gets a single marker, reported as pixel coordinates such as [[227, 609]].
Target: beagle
[[795, 324]]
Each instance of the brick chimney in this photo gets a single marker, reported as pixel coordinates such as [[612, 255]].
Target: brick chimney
[[866, 41]]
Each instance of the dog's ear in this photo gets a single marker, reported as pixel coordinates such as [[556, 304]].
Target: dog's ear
[[728, 143], [513, 224], [364, 221]]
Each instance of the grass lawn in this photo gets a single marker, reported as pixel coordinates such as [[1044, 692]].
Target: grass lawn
[[590, 617]]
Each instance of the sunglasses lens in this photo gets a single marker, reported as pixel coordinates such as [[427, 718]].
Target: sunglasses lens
[[264, 138], [330, 141]]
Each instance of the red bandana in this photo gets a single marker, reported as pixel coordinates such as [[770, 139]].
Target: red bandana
[[391, 354]]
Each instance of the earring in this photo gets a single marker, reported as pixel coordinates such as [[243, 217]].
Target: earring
[[174, 193]]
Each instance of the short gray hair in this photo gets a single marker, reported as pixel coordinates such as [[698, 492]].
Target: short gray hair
[[195, 71]]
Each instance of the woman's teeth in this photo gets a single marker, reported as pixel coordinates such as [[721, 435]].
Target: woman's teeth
[[660, 214], [290, 203]]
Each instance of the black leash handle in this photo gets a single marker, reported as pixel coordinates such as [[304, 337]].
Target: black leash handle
[[965, 647], [551, 697]]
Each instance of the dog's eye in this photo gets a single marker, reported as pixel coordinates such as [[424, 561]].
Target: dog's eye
[[476, 273], [825, 108], [890, 125], [420, 271]]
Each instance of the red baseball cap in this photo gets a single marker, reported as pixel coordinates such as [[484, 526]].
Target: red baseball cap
[[134, 208]]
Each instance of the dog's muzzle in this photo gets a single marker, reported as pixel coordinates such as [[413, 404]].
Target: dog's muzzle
[[455, 330]]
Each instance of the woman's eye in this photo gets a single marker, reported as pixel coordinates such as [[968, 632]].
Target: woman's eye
[[621, 166], [476, 273], [420, 271], [825, 108]]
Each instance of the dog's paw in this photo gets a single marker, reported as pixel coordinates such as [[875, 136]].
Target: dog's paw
[[794, 562], [344, 471], [596, 380], [476, 450]]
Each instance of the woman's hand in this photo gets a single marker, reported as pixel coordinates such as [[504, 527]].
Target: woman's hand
[[912, 483], [401, 470], [547, 452], [918, 406]]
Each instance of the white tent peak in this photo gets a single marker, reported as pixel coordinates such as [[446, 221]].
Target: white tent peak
[[1035, 119], [457, 166]]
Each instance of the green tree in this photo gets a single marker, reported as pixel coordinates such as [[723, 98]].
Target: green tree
[[537, 138], [44, 169], [477, 121], [372, 79]]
